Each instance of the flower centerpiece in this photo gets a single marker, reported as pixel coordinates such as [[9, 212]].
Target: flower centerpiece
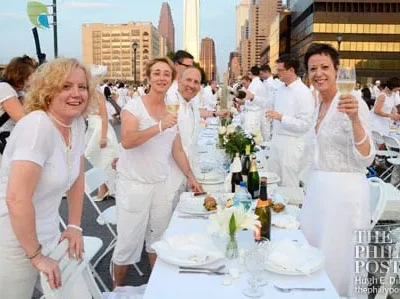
[[228, 222]]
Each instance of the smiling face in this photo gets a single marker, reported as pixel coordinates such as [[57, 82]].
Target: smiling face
[[322, 72], [189, 83], [160, 77], [72, 100]]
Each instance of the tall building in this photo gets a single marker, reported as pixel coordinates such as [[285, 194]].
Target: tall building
[[207, 58], [112, 45], [242, 15], [261, 15], [233, 67], [166, 26], [191, 27], [366, 32]]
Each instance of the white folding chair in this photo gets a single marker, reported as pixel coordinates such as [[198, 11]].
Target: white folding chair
[[378, 140], [72, 271], [377, 199], [393, 145], [92, 246], [94, 178]]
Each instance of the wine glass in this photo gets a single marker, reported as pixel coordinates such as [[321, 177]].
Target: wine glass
[[346, 79], [172, 105], [254, 263]]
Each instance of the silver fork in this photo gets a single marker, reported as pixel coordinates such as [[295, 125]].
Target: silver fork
[[193, 216], [217, 269], [202, 272], [288, 290]]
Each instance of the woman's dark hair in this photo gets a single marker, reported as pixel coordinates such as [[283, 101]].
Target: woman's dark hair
[[392, 83], [18, 71], [121, 85], [326, 49]]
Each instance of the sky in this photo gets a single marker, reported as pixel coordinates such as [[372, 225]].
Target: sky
[[217, 21]]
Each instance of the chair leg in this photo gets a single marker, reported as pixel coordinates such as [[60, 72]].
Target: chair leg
[[97, 276], [386, 171], [105, 252], [138, 270]]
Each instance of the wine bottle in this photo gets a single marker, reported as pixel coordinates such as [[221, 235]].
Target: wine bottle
[[246, 163], [236, 170], [253, 179], [263, 211]]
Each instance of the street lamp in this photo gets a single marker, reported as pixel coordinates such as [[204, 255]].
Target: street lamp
[[134, 47], [339, 38]]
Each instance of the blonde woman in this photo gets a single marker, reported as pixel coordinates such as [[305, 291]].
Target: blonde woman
[[43, 160]]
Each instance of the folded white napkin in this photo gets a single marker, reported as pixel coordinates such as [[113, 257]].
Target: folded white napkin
[[294, 257], [187, 249], [127, 292], [285, 221]]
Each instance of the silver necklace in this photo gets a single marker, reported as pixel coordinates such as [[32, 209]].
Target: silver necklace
[[58, 121]]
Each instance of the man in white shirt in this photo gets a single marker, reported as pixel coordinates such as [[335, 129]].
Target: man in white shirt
[[292, 116], [255, 104], [209, 95], [189, 115]]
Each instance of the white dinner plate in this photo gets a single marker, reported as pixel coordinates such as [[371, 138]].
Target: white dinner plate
[[194, 206], [272, 177], [192, 250], [313, 257]]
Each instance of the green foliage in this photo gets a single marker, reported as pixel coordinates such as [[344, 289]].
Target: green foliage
[[237, 142], [204, 79], [232, 225], [171, 55]]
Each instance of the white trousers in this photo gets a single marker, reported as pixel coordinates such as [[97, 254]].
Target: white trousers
[[285, 158], [335, 208], [143, 214], [18, 277]]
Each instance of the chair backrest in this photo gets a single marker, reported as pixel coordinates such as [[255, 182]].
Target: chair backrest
[[378, 138], [76, 276], [377, 199], [391, 143], [94, 178]]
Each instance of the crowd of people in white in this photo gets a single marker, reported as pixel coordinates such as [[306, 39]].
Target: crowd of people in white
[[45, 143]]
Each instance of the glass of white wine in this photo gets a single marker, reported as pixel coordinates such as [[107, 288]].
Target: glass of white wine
[[172, 105], [346, 79]]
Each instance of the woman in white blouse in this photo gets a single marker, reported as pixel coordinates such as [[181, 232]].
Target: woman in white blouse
[[43, 161], [14, 78], [337, 199], [385, 111], [149, 139]]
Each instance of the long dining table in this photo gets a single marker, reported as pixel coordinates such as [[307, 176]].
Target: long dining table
[[166, 281]]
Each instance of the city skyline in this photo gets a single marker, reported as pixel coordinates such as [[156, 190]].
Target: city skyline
[[72, 14]]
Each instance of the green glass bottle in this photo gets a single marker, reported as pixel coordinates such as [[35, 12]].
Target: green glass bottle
[[246, 163], [253, 179], [263, 211]]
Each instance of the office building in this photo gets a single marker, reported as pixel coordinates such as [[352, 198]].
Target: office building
[[166, 26], [207, 58], [191, 27]]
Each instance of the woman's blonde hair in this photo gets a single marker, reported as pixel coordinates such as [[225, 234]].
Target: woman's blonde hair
[[48, 81], [153, 61]]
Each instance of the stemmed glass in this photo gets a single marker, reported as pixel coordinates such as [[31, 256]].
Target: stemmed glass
[[254, 261], [346, 79], [172, 105]]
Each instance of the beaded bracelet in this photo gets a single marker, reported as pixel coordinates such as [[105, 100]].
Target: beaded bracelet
[[75, 226], [362, 140], [36, 253], [159, 126]]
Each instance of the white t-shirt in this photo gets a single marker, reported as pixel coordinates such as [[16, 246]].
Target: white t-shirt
[[35, 138], [147, 163], [6, 93]]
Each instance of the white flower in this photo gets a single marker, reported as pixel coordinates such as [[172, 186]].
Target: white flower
[[230, 129], [258, 139], [222, 130], [219, 222], [256, 132]]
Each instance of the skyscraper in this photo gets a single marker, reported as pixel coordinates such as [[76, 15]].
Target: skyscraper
[[207, 58], [242, 15], [191, 27], [166, 26]]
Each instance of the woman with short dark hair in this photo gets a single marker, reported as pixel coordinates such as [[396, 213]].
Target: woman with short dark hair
[[336, 205]]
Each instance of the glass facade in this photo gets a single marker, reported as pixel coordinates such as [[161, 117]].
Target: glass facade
[[357, 28]]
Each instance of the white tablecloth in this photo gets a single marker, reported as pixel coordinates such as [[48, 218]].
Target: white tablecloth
[[166, 282]]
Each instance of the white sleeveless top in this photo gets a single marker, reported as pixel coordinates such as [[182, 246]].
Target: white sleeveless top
[[147, 163]]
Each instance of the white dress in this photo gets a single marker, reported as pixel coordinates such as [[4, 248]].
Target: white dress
[[337, 198], [379, 123]]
